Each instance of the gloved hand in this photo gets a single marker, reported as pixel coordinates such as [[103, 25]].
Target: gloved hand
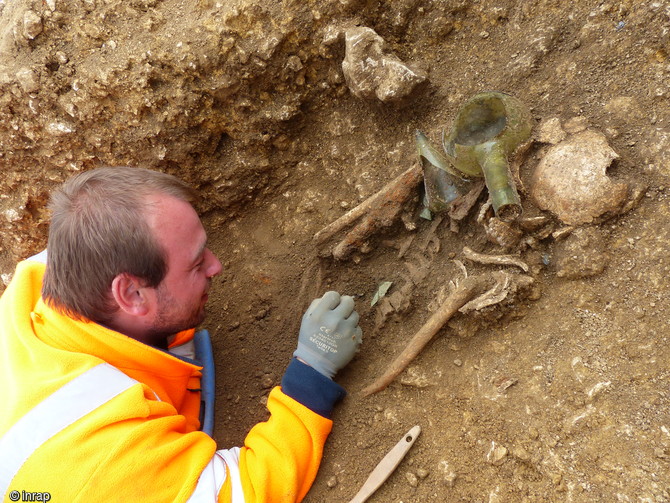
[[329, 334]]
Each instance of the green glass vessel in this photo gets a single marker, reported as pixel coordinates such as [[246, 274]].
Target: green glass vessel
[[486, 131]]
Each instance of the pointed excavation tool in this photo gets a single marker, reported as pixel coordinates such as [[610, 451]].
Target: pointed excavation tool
[[387, 466]]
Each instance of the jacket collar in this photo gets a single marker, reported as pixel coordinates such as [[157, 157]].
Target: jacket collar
[[165, 374]]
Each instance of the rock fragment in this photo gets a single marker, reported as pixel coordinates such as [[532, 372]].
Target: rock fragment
[[571, 180], [412, 479], [32, 24], [449, 476], [28, 80], [521, 454], [415, 378], [12, 215], [536, 48], [497, 454], [59, 128], [422, 473], [6, 278], [582, 254], [576, 125], [550, 131], [61, 57], [371, 72]]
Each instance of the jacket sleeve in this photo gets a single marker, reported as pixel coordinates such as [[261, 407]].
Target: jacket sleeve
[[281, 456]]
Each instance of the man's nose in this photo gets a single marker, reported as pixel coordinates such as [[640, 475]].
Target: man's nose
[[214, 268]]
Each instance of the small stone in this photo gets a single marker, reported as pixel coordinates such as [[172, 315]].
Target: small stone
[[422, 473], [331, 35], [12, 215], [597, 390], [445, 469], [332, 482], [92, 30], [550, 131], [59, 128], [61, 57], [32, 25], [6, 278], [497, 454], [267, 382], [28, 80], [576, 125], [372, 72], [521, 454], [458, 362], [416, 378], [505, 383], [294, 63], [584, 253], [412, 479]]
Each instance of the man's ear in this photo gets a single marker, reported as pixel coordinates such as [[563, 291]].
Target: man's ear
[[130, 294]]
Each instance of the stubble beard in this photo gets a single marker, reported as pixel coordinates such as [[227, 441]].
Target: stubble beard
[[170, 319]]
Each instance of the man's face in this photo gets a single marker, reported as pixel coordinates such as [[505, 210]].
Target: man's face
[[180, 298]]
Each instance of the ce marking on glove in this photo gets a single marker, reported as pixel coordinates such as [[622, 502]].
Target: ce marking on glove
[[29, 496], [329, 332]]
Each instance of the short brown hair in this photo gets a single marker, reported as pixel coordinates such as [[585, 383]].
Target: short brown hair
[[98, 230]]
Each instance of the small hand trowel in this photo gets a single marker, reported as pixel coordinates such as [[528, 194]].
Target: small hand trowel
[[386, 466]]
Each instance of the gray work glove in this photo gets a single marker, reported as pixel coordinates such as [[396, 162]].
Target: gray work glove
[[329, 334]]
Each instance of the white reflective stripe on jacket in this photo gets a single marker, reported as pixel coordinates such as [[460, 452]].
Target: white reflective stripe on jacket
[[79, 397], [214, 475]]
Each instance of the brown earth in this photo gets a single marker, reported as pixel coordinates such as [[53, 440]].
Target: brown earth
[[560, 396]]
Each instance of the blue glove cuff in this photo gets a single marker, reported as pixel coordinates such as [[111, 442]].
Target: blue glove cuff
[[311, 388]]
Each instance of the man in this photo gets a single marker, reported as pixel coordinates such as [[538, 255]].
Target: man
[[96, 408]]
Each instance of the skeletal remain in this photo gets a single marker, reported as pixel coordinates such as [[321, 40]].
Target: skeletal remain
[[506, 286], [465, 291], [412, 175], [494, 259]]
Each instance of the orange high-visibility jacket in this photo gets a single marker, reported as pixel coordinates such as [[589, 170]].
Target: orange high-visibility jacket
[[89, 414]]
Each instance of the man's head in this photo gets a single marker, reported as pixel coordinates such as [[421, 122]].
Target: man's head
[[127, 250]]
